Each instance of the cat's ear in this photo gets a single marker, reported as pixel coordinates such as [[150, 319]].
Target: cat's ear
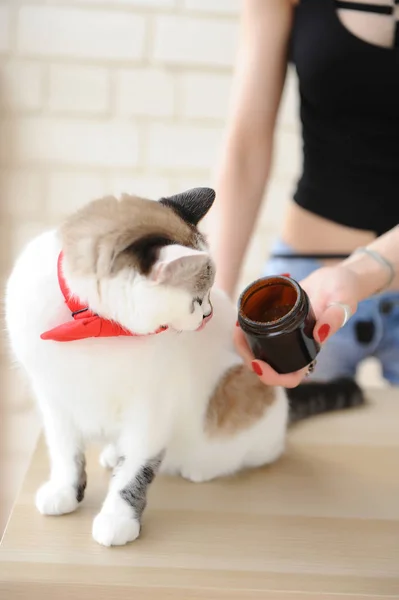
[[191, 205], [177, 265]]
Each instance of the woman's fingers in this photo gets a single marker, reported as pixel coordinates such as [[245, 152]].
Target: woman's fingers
[[264, 371], [335, 316], [269, 376]]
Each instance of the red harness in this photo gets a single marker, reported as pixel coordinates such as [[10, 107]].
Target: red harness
[[86, 323]]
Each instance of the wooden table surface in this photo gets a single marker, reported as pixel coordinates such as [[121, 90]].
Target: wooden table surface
[[322, 522]]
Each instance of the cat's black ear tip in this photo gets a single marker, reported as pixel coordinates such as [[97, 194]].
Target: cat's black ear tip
[[191, 205], [209, 192], [211, 195], [204, 194]]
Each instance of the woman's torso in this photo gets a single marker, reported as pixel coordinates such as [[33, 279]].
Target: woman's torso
[[347, 58]]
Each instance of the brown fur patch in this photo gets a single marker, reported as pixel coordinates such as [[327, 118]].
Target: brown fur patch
[[109, 234], [239, 400]]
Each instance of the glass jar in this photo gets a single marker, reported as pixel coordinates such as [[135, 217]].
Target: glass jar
[[277, 319]]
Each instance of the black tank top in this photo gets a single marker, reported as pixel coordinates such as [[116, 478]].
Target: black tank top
[[349, 109]]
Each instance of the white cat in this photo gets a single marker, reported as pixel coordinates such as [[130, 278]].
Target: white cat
[[110, 315]]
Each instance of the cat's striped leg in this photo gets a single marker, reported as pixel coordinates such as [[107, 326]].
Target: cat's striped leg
[[119, 520]]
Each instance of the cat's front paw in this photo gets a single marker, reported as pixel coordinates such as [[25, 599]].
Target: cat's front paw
[[197, 476], [53, 499], [109, 457], [114, 530]]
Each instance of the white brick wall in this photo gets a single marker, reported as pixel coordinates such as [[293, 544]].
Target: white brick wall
[[4, 29], [106, 96], [147, 186], [6, 141], [79, 33], [43, 140], [69, 191], [78, 89], [288, 117], [205, 95], [22, 193], [180, 147], [215, 6], [194, 41], [145, 91], [147, 3], [286, 154], [21, 86]]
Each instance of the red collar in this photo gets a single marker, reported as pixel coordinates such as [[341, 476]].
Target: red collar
[[85, 323]]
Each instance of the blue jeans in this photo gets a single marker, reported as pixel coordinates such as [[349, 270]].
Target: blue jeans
[[372, 332]]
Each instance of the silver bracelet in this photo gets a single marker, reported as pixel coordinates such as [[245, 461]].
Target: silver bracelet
[[382, 261]]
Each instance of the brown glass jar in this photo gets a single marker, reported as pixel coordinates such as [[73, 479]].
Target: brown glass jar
[[278, 321]]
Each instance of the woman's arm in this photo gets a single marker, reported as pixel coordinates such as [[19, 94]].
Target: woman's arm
[[246, 159]]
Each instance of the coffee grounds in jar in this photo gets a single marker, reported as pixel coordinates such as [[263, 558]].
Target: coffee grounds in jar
[[276, 312]]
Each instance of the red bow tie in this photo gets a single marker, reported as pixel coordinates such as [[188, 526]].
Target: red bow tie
[[86, 323]]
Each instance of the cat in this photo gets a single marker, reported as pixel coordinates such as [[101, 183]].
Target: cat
[[115, 319]]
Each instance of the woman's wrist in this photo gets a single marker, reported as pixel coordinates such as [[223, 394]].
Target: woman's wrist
[[373, 272]]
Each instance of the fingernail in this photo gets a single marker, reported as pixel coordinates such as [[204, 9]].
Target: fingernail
[[256, 368], [323, 332], [285, 275], [237, 324]]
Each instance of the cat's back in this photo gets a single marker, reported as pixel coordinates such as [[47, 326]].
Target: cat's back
[[33, 300]]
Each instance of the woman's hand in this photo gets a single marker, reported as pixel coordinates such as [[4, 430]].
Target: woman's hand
[[324, 287], [266, 374]]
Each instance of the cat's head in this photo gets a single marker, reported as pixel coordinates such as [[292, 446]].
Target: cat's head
[[142, 263]]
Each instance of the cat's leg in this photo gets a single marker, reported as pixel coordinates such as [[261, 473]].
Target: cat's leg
[[109, 457], [119, 520], [67, 483]]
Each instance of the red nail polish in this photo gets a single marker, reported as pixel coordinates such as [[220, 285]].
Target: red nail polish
[[285, 275], [323, 332], [256, 368], [237, 324]]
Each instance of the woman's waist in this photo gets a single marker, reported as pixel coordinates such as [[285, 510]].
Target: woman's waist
[[309, 234]]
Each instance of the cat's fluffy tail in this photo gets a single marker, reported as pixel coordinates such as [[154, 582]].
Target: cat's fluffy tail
[[315, 398]]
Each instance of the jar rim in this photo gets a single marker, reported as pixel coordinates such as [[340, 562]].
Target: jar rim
[[282, 279]]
